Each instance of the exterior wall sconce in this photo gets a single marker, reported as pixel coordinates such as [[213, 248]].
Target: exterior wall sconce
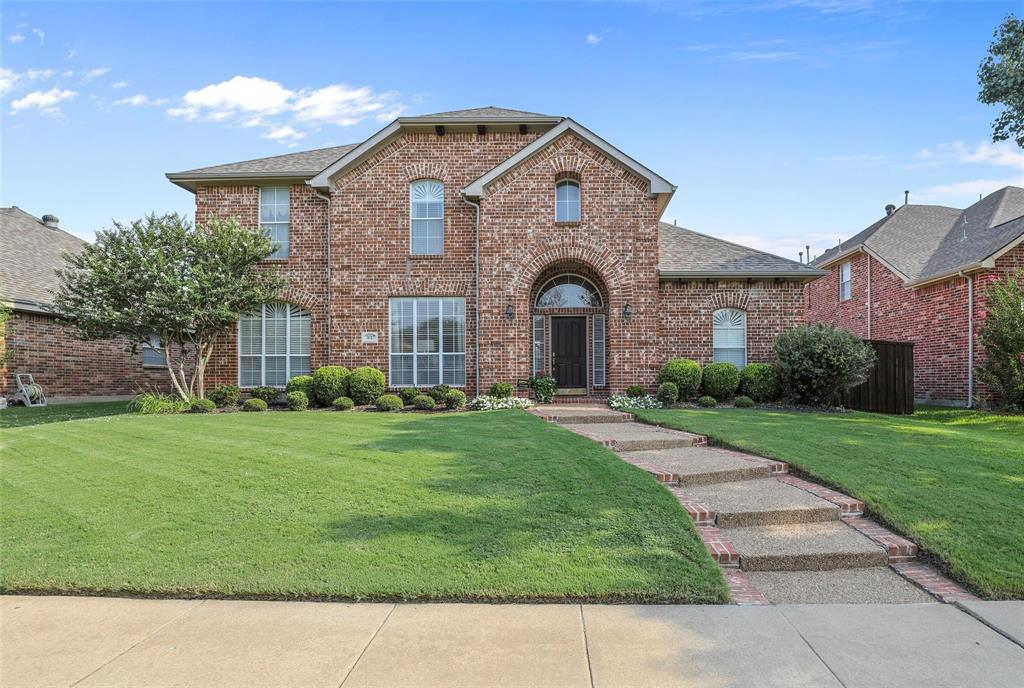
[[627, 312], [510, 313]]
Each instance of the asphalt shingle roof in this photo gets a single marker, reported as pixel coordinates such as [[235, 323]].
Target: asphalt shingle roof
[[487, 112], [304, 163], [31, 253], [923, 241], [683, 250]]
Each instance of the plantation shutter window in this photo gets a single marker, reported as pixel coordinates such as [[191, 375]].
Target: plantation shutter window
[[273, 346], [845, 282], [427, 342], [598, 348], [275, 218], [567, 201], [729, 336], [426, 201]]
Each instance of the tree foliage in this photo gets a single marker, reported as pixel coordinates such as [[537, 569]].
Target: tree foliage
[[817, 363], [161, 275], [1002, 335], [1001, 77]]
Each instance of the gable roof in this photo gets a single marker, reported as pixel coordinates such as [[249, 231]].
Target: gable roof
[[488, 112], [301, 165], [688, 254], [32, 252], [923, 243]]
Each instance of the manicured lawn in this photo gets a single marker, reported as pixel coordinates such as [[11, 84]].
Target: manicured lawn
[[951, 480], [474, 506], [20, 416]]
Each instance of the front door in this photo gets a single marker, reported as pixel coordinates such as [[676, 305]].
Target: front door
[[569, 351]]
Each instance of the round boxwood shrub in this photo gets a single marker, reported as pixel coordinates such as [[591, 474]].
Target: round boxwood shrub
[[437, 393], [501, 390], [225, 395], [328, 383], [266, 394], [817, 363], [668, 393], [684, 373], [300, 383], [455, 399], [743, 401], [720, 380], [202, 406], [297, 401], [254, 404], [389, 402], [408, 394], [366, 384], [760, 382], [707, 402], [635, 391], [343, 404], [424, 403]]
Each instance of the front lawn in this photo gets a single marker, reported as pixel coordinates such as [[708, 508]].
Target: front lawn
[[951, 480], [474, 506]]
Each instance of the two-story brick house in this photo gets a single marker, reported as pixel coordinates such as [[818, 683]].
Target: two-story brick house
[[487, 245], [920, 275]]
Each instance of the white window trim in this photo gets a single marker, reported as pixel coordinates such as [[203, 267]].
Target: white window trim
[[440, 348], [413, 218], [579, 199], [263, 347], [746, 323], [849, 281], [288, 224]]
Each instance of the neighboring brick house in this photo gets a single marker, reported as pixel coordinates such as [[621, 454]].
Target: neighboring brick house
[[487, 245], [31, 250], [920, 275]]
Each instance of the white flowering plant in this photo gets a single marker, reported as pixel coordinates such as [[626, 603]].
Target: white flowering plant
[[489, 403], [621, 401]]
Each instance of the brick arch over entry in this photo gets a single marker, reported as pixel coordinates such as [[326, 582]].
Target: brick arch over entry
[[298, 296], [599, 261], [569, 268], [730, 299]]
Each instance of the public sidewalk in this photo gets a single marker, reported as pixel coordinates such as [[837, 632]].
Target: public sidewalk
[[89, 641]]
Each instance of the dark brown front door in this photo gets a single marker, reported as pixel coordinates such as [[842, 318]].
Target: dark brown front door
[[569, 351]]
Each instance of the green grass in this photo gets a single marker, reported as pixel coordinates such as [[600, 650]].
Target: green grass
[[327, 505], [20, 416], [950, 480]]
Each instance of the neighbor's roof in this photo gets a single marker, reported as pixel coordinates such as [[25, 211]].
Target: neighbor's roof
[[686, 253], [31, 254], [927, 242]]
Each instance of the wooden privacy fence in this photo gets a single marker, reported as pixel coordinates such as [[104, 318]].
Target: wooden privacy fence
[[890, 386]]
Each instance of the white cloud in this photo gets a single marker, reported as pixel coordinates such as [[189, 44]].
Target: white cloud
[[238, 94], [94, 73], [44, 101], [8, 78], [964, 192], [284, 133], [342, 105], [119, 84], [39, 33], [38, 74], [594, 39], [16, 37], [140, 99]]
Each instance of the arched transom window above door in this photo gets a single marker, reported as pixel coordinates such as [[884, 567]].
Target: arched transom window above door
[[569, 291]]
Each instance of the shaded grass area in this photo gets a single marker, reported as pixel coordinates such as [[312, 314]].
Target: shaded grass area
[[20, 416], [472, 506], [952, 480]]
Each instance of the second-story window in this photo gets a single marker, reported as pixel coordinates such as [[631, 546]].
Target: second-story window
[[426, 210], [845, 282], [275, 218], [567, 201]]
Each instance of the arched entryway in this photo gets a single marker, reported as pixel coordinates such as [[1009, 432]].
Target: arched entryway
[[570, 328]]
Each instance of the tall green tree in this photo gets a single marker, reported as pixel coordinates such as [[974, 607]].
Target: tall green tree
[[1002, 335], [1001, 77], [163, 276]]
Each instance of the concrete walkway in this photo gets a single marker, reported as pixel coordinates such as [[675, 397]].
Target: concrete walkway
[[83, 641]]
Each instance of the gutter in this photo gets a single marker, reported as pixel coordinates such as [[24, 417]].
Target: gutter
[[330, 286], [476, 292], [732, 274], [956, 272]]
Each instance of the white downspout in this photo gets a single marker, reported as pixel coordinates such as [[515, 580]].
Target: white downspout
[[330, 316], [476, 291], [970, 340], [869, 296]]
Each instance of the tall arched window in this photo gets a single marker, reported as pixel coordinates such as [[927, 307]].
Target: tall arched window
[[730, 336], [567, 201], [426, 210], [273, 346]]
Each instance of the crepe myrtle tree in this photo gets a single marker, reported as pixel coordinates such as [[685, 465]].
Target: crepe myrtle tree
[[1001, 77], [162, 276]]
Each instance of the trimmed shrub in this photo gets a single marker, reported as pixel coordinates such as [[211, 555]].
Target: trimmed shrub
[[267, 394], [668, 393], [202, 406], [437, 393], [817, 363], [388, 402], [684, 374], [254, 404], [225, 395], [366, 384], [635, 391], [424, 403], [456, 399], [408, 394], [501, 390], [543, 387], [760, 382], [343, 404], [743, 402], [720, 380], [300, 383], [151, 403], [707, 402], [328, 383], [297, 401]]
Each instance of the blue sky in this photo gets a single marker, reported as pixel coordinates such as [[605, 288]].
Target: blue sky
[[782, 122]]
